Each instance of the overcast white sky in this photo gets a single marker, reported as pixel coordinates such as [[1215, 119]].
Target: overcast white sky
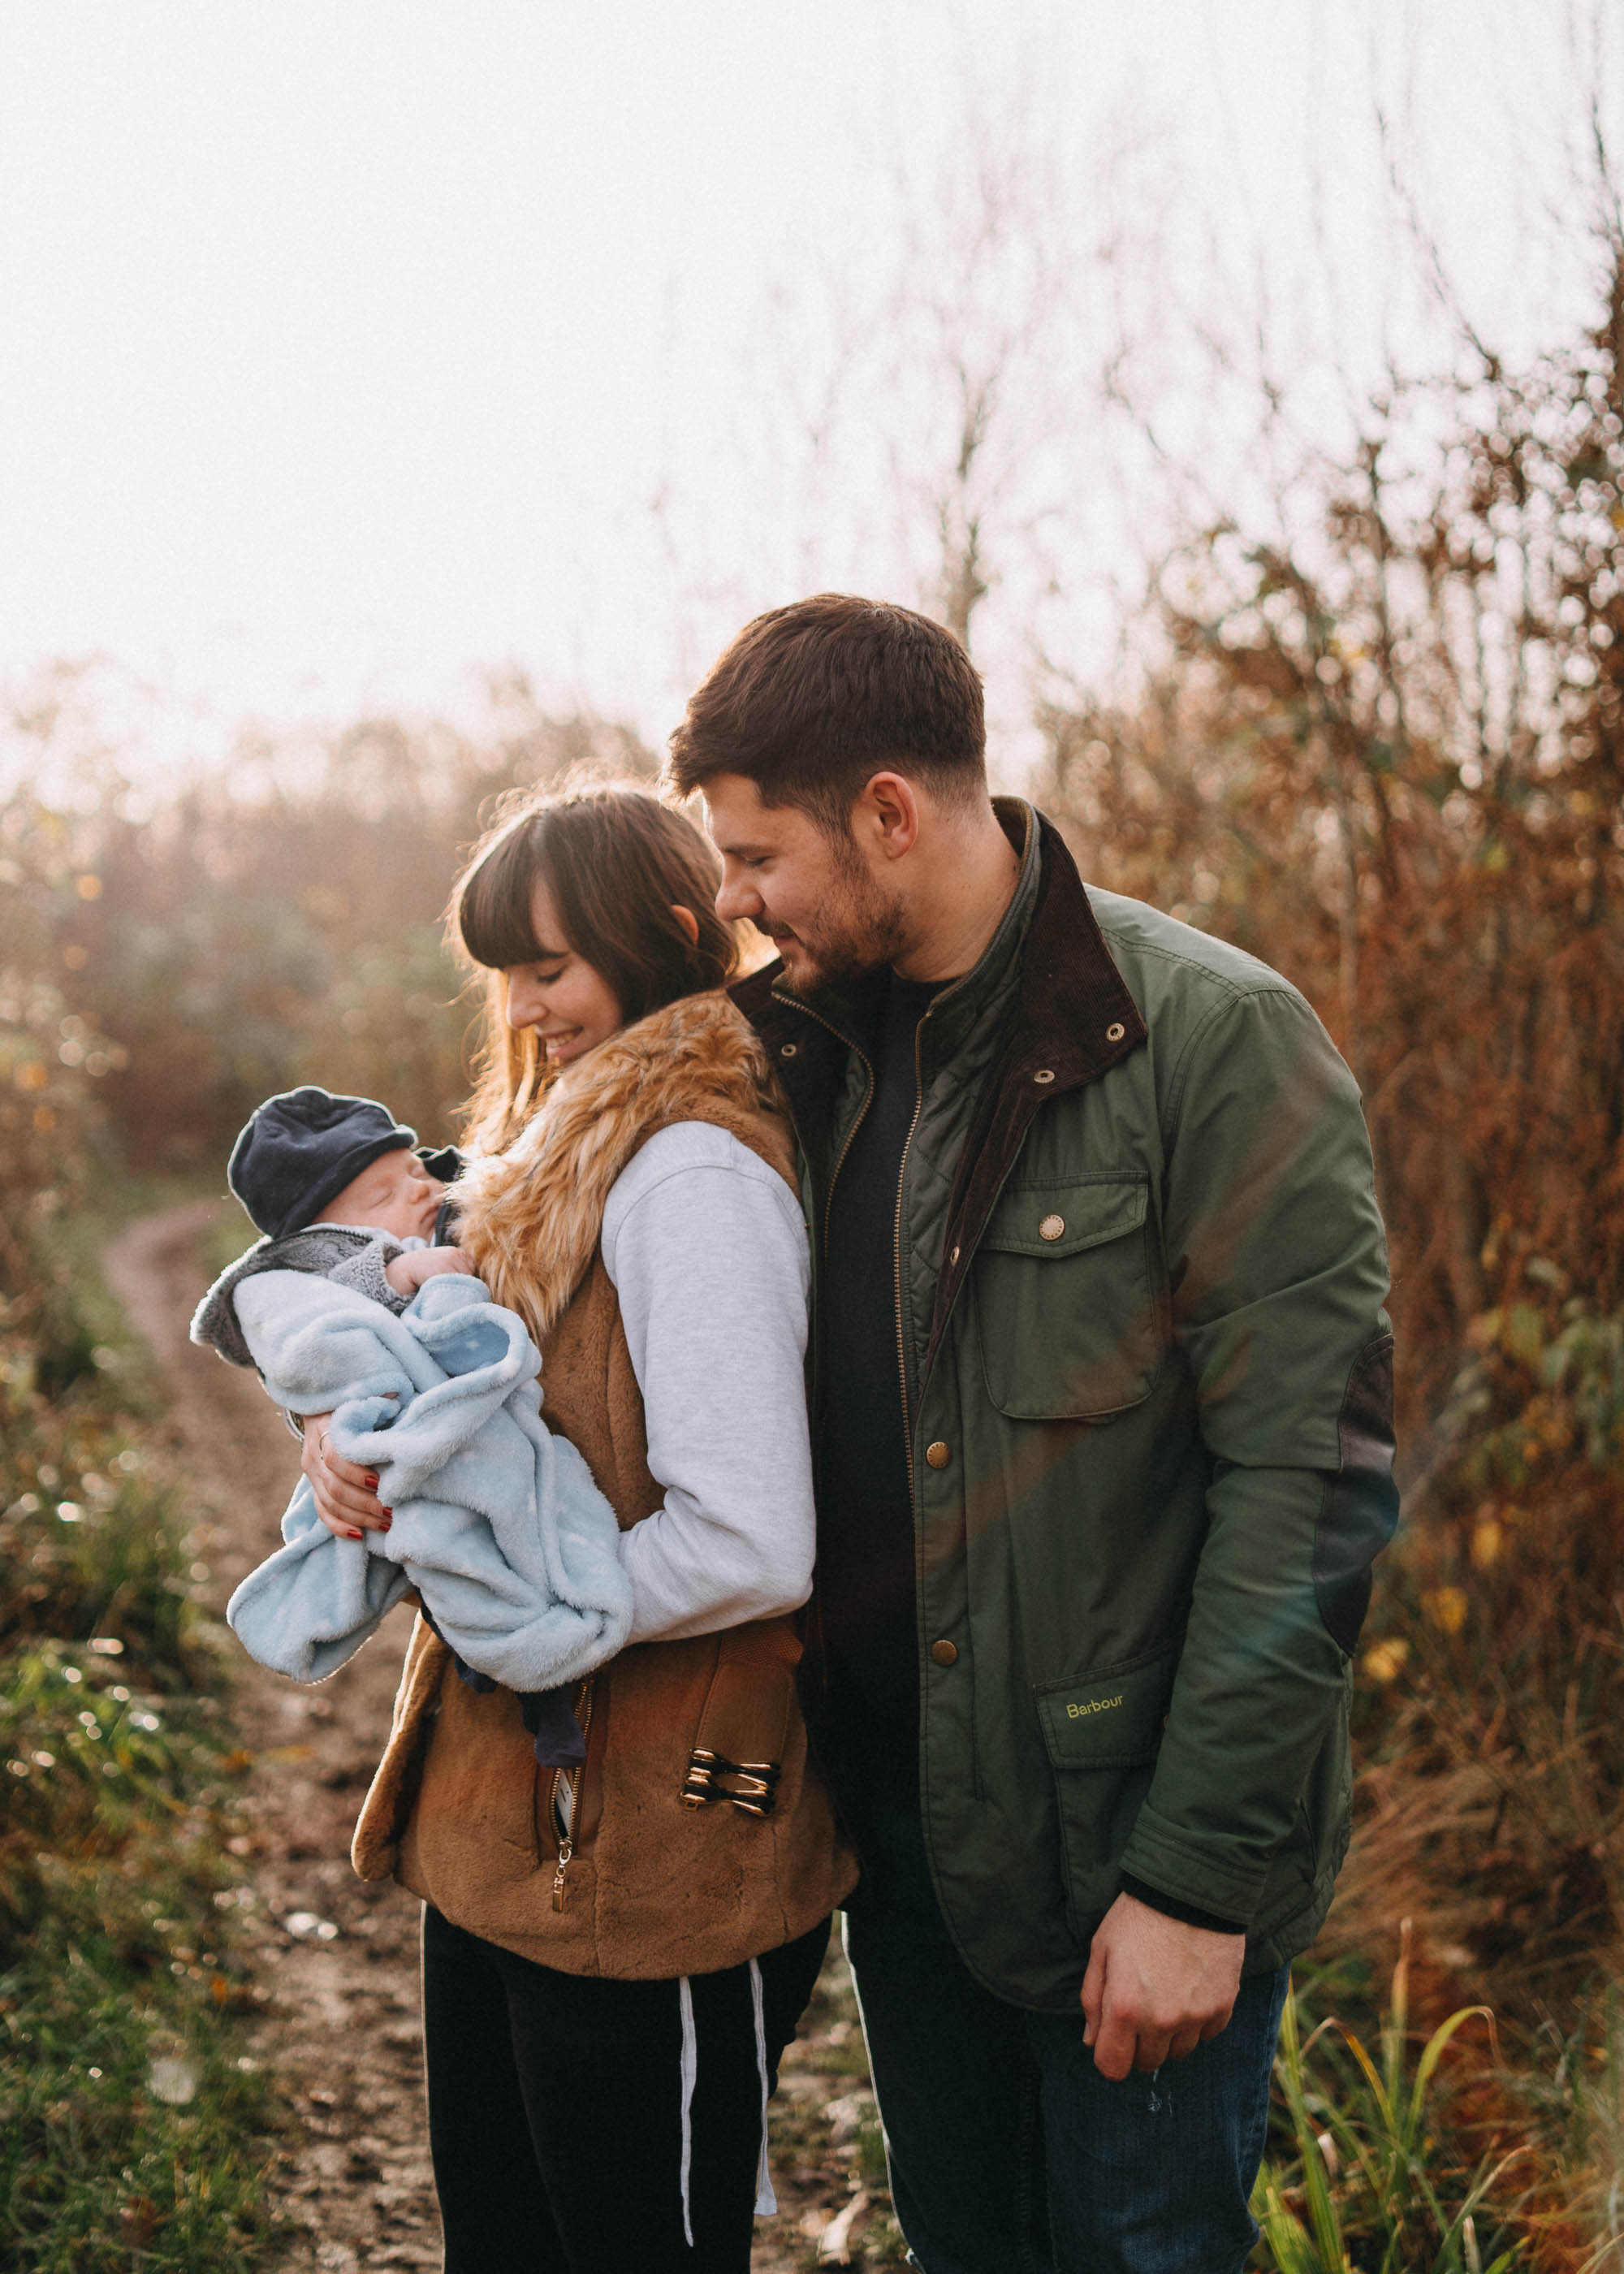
[[348, 344]]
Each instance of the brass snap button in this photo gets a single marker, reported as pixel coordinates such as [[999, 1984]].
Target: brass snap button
[[945, 1652], [952, 1258], [1051, 1227], [938, 1455], [1044, 1074], [788, 1050], [1114, 1032]]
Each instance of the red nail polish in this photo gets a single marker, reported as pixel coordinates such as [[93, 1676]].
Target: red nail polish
[[371, 1484], [387, 1511], [358, 1535]]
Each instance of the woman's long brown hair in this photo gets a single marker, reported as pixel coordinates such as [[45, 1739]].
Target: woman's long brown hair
[[616, 862]]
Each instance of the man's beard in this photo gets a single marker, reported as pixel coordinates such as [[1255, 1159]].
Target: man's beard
[[861, 930]]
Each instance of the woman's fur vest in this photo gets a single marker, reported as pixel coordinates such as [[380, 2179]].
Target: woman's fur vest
[[665, 1868]]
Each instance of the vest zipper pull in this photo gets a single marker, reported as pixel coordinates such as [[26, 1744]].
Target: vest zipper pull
[[567, 1849]]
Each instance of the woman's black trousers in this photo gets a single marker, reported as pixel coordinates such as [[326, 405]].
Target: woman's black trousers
[[581, 2126]]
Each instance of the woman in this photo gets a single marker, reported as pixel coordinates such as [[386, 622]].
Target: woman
[[615, 1955]]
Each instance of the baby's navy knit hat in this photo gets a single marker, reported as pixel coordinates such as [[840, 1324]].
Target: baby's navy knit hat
[[300, 1149]]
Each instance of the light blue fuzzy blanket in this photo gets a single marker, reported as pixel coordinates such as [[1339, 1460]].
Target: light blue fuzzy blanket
[[498, 1523]]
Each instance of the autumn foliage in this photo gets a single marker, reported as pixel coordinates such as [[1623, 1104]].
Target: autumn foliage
[[1388, 758]]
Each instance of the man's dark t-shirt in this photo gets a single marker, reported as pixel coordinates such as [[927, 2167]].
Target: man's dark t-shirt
[[866, 1583]]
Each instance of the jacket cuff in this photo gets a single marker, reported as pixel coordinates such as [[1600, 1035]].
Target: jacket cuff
[[1220, 1873], [1173, 1907]]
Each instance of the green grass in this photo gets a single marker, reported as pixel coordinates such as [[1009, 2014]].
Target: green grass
[[135, 2128], [1375, 2181]]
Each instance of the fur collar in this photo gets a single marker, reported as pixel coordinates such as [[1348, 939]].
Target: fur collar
[[529, 1216]]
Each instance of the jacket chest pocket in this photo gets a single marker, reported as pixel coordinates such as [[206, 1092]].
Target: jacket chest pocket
[[1066, 1307]]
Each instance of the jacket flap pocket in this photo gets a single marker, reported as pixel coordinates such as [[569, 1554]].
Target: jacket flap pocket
[[1066, 1217], [1066, 1285], [1108, 1720]]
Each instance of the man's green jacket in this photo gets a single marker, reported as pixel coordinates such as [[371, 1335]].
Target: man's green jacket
[[1148, 1384]]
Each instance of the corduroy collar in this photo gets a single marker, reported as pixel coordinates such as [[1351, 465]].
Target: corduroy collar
[[1073, 1016]]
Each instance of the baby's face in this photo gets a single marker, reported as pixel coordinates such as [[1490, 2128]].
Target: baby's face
[[395, 1192]]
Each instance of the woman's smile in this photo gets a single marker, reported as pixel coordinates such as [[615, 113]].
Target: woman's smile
[[568, 1004]]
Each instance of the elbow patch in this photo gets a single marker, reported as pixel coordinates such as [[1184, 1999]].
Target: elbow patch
[[1360, 1507]]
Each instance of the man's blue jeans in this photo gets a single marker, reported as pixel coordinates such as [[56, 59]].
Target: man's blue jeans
[[1010, 2154]]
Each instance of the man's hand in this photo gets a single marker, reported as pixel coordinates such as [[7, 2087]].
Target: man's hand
[[346, 1495], [1155, 1987]]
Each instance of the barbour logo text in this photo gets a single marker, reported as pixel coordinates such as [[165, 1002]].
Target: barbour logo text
[[1094, 1706]]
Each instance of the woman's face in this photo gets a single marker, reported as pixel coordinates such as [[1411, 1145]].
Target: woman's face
[[570, 1005]]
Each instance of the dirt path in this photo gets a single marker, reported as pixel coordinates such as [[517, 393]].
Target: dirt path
[[353, 2183]]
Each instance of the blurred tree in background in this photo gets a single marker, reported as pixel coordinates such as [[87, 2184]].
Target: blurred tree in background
[[268, 925]]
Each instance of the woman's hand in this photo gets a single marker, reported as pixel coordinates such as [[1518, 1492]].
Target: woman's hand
[[346, 1495]]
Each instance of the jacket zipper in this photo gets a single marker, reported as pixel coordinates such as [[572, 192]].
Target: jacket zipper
[[574, 1779], [902, 1171]]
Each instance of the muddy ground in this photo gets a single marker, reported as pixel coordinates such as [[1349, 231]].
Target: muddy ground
[[351, 2185]]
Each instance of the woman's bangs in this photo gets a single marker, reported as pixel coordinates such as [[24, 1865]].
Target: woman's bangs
[[493, 907]]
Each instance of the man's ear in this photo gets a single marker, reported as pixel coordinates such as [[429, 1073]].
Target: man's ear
[[688, 920], [885, 816]]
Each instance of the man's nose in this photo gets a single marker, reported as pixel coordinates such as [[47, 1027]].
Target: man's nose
[[737, 900]]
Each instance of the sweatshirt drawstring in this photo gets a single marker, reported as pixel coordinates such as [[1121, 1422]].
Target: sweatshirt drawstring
[[766, 2202], [690, 2071]]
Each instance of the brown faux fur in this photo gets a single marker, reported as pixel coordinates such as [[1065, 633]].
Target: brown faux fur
[[529, 1216], [458, 1810]]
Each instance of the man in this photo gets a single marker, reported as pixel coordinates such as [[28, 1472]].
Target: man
[[1102, 1400]]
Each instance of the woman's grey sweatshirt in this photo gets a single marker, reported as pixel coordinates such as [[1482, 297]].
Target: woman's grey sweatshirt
[[708, 1252]]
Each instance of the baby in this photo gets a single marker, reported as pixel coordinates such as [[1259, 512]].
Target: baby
[[498, 1528], [338, 1187]]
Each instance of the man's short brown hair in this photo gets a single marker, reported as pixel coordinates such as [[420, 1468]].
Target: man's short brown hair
[[812, 700]]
